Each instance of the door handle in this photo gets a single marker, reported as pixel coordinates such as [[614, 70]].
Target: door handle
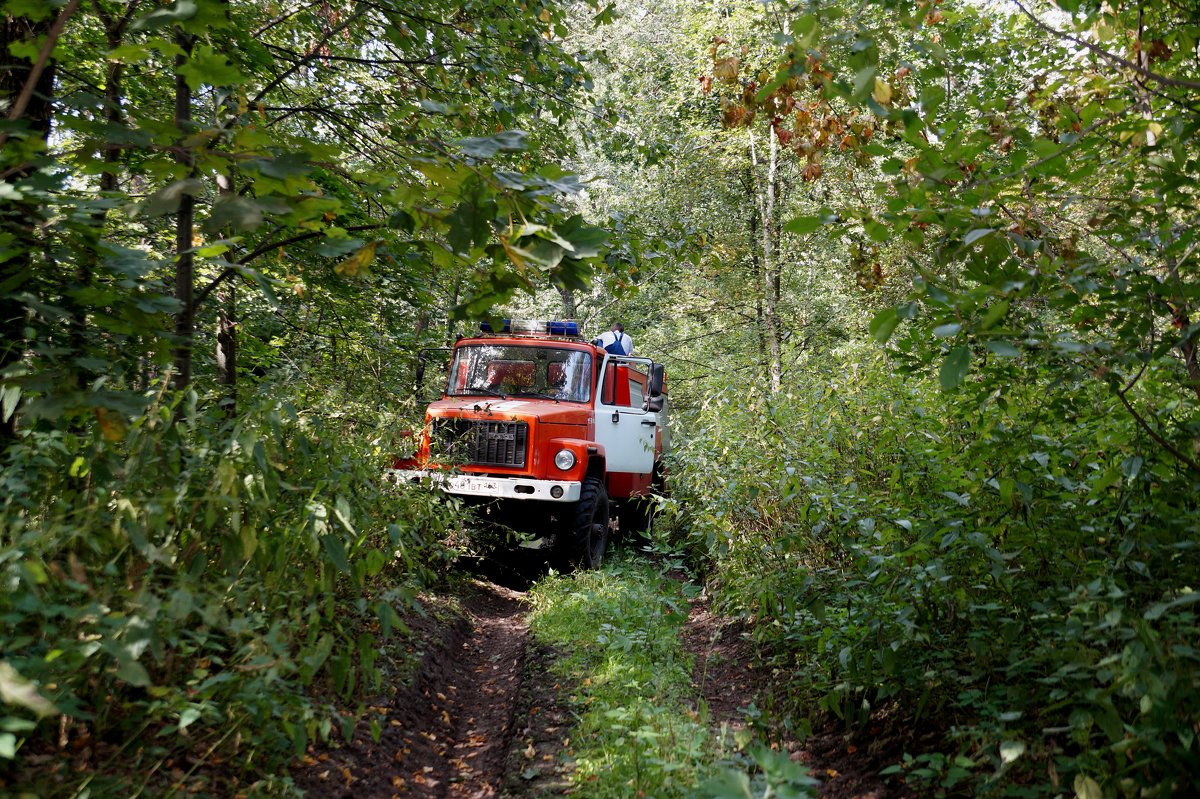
[[649, 422]]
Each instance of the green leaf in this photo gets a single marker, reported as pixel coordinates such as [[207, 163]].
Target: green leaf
[[877, 231], [883, 324], [10, 396], [187, 717], [803, 224], [179, 11], [1156, 611], [954, 368], [335, 552], [233, 211], [947, 330], [586, 240], [864, 81], [1003, 348], [781, 77], [1087, 788], [207, 66], [994, 314], [133, 673], [488, 146], [166, 200], [976, 234]]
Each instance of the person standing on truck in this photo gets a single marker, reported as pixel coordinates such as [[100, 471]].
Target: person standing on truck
[[615, 340]]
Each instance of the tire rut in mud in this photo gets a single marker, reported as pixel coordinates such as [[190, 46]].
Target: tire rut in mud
[[448, 734], [729, 673]]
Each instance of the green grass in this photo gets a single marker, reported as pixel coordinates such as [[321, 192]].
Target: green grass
[[641, 730]]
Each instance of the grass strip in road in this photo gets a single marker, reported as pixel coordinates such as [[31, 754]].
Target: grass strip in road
[[643, 731], [619, 629]]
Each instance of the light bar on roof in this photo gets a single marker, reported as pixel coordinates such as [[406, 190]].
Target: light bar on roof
[[541, 327]]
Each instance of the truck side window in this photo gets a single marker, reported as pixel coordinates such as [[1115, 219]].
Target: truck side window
[[624, 386], [608, 392], [636, 394]]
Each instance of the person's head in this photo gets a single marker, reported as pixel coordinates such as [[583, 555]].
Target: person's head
[[617, 327]]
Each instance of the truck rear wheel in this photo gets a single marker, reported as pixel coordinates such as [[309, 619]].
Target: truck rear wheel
[[588, 536]]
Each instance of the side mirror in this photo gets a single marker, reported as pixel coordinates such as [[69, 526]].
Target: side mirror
[[654, 403], [657, 375]]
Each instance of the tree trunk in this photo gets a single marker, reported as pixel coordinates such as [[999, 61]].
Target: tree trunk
[[185, 317], [227, 352], [27, 93], [771, 279], [756, 264], [569, 304], [114, 34]]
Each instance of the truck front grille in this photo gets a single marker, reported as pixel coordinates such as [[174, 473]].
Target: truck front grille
[[479, 443]]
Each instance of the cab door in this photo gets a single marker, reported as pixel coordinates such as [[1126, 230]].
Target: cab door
[[626, 431]]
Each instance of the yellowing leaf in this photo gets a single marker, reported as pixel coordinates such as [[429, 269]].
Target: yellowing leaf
[[1087, 788], [112, 426], [882, 92], [1011, 750], [16, 690], [356, 265], [726, 69], [545, 15]]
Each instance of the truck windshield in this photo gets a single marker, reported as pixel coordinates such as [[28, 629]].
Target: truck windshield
[[507, 370]]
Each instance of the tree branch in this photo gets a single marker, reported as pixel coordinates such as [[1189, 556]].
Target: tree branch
[[261, 249], [1158, 439], [39, 65], [1113, 57]]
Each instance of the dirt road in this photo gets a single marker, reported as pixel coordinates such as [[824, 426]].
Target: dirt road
[[485, 717]]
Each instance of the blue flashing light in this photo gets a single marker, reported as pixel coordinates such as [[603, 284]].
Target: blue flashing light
[[535, 327]]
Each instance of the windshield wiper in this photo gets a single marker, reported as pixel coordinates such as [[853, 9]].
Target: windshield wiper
[[479, 390]]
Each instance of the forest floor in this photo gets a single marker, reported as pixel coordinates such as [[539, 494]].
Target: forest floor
[[485, 717]]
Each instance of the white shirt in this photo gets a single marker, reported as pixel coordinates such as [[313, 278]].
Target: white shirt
[[609, 336]]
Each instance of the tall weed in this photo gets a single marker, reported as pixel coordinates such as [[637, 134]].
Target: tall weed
[[185, 583], [1015, 567]]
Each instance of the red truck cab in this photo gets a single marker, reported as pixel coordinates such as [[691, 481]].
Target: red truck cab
[[548, 426]]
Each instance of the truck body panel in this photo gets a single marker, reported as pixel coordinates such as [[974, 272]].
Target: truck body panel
[[548, 419]]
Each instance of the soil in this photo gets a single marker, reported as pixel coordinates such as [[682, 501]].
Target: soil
[[448, 734], [486, 718], [730, 676]]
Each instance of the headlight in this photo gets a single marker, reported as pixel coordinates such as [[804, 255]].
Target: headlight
[[564, 459]]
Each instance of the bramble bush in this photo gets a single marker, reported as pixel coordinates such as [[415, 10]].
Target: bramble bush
[[1015, 567], [187, 589]]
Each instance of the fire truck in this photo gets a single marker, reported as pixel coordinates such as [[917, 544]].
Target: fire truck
[[548, 430]]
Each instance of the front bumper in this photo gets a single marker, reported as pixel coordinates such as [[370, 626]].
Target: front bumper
[[480, 485]]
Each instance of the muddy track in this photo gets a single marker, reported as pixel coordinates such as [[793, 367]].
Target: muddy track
[[485, 718], [448, 734], [729, 675]]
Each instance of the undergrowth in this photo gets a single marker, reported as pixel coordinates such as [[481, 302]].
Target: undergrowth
[[642, 731], [188, 602], [1016, 567]]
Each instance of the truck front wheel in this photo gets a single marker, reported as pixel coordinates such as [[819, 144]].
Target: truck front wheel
[[588, 536]]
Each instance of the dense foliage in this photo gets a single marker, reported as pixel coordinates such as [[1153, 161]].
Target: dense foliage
[[991, 525], [924, 275], [226, 228]]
